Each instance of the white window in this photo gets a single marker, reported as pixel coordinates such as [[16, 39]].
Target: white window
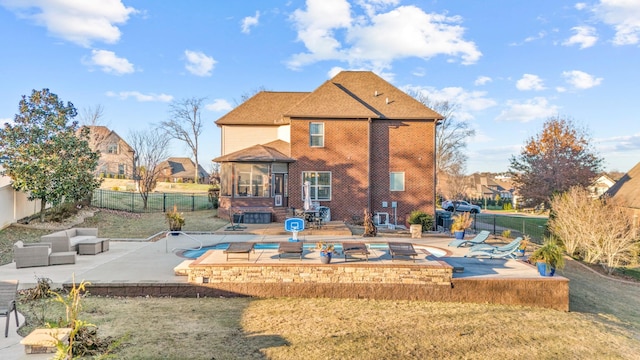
[[320, 184], [112, 148], [252, 180], [396, 181], [316, 134]]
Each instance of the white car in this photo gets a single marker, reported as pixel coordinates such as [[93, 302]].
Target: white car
[[460, 205]]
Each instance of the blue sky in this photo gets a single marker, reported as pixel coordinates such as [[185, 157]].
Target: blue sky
[[509, 65]]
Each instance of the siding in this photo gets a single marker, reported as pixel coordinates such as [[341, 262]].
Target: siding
[[239, 137]]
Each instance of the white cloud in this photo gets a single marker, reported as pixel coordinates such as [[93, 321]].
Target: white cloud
[[219, 105], [198, 63], [580, 79], [482, 80], [580, 6], [624, 16], [249, 22], [467, 103], [123, 95], [532, 109], [620, 143], [585, 36], [109, 62], [330, 30], [530, 82], [81, 22]]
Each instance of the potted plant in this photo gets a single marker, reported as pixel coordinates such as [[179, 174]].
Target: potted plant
[[326, 251], [461, 222], [548, 257], [417, 222], [175, 219], [523, 245]]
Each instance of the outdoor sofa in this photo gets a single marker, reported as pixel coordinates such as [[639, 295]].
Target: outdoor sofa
[[67, 240], [40, 254]]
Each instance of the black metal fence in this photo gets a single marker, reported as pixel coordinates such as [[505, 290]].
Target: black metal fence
[[519, 225], [157, 202]]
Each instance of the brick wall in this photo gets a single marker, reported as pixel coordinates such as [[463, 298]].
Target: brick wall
[[403, 146]]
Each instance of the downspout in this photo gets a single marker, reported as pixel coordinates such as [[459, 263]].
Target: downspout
[[369, 165], [436, 122]]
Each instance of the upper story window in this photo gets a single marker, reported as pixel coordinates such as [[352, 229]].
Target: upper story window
[[316, 134], [396, 181], [112, 148]]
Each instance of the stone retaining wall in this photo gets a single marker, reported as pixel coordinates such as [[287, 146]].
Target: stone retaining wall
[[440, 274]]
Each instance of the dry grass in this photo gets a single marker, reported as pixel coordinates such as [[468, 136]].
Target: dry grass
[[242, 328]]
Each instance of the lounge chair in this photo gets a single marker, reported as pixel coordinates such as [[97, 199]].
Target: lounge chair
[[507, 251], [290, 247], [239, 248], [351, 248], [402, 249], [487, 247], [234, 226], [478, 239], [8, 290]]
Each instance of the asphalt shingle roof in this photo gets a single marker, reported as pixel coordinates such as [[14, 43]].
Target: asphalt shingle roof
[[271, 152], [626, 191]]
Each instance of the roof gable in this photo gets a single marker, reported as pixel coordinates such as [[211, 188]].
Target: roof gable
[[270, 152], [361, 94], [626, 191], [264, 108]]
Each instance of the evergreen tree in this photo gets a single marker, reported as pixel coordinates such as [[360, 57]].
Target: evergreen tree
[[47, 157]]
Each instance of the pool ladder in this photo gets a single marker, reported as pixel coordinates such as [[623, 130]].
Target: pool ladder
[[169, 234]]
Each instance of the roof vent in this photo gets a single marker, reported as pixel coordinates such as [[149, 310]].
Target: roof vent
[[376, 93], [387, 100]]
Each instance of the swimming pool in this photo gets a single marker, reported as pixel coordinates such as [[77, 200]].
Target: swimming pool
[[196, 253]]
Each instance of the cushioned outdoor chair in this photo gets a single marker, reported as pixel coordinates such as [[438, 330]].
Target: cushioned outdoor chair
[[350, 248], [507, 251], [402, 250], [290, 247], [478, 239], [239, 248], [8, 291], [32, 254]]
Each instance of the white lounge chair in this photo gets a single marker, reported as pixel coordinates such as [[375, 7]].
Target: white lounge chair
[[478, 239], [507, 251]]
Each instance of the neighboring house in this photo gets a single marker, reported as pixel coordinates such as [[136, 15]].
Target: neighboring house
[[181, 169], [483, 186], [116, 156], [626, 191], [601, 185], [361, 142]]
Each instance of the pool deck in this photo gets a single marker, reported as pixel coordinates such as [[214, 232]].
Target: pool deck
[[137, 262]]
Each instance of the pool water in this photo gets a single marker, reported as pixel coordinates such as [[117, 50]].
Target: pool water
[[196, 253]]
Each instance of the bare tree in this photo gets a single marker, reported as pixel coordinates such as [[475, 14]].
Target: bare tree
[[453, 184], [185, 124], [92, 116], [150, 150], [599, 231], [451, 140], [248, 94]]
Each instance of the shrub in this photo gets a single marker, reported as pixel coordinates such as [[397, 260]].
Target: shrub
[[506, 234], [421, 217]]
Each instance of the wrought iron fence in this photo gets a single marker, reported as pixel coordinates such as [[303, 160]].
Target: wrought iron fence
[[157, 202], [519, 225]]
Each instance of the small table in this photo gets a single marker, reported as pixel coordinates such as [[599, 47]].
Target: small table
[[93, 246]]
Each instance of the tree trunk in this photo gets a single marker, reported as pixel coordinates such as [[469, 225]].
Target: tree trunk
[[43, 206]]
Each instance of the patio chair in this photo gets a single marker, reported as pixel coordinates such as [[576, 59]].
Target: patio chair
[[478, 239], [240, 248], [290, 247], [8, 291], [354, 248], [31, 254], [486, 247], [496, 254], [234, 226], [402, 249]]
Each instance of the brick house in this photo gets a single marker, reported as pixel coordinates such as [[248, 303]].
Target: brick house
[[360, 141], [116, 156], [181, 169]]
